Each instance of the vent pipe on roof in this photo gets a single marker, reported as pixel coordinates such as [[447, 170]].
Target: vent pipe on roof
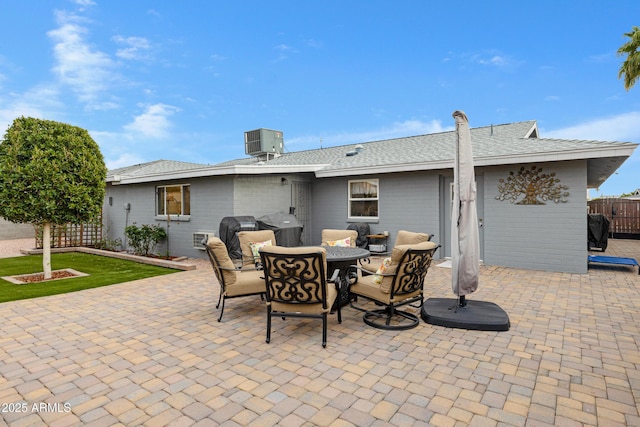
[[358, 149], [491, 130]]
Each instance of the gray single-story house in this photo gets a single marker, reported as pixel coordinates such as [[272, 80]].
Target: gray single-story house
[[532, 192]]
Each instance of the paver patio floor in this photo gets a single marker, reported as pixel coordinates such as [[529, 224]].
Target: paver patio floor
[[152, 353]]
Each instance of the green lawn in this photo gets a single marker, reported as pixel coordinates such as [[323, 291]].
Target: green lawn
[[102, 271]]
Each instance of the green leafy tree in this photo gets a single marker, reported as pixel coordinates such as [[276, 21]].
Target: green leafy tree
[[630, 68], [50, 173]]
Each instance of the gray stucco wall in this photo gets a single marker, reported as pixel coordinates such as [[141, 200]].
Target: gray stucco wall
[[407, 201], [9, 230], [211, 200], [549, 237]]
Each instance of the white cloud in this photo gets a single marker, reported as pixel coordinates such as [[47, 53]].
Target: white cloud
[[395, 130], [136, 47], [495, 59], [40, 102], [622, 127], [154, 122], [124, 159], [285, 50], [87, 71]]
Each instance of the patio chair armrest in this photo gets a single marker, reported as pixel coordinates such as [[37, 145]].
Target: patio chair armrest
[[357, 267], [240, 269], [248, 268]]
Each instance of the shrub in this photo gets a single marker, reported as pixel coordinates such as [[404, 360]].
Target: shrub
[[144, 238]]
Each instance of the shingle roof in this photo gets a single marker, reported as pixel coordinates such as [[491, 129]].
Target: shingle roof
[[492, 145], [435, 147], [156, 167]]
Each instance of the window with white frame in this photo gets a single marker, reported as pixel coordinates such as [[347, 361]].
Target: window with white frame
[[173, 200], [363, 199]]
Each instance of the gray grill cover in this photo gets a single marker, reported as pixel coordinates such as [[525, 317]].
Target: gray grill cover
[[286, 227], [229, 228]]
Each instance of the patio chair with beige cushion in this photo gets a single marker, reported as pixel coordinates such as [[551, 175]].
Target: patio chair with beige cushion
[[411, 238], [234, 282], [297, 286], [403, 238], [250, 244], [332, 237], [398, 282]]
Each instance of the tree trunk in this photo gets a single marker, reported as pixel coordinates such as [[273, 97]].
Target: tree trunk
[[46, 250]]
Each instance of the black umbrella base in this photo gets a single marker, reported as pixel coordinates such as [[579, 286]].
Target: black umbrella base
[[475, 315]]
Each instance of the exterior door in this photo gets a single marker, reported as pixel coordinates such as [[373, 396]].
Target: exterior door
[[446, 205], [301, 201]]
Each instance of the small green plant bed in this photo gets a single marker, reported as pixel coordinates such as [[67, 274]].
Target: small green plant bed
[[102, 271]]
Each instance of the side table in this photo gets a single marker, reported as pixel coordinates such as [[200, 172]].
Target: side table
[[377, 243]]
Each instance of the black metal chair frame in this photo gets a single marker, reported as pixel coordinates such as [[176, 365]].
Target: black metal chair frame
[[409, 277], [285, 286], [217, 269]]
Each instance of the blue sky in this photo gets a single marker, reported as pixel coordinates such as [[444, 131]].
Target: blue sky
[[183, 80]]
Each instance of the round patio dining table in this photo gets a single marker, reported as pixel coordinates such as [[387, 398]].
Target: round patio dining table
[[342, 258]]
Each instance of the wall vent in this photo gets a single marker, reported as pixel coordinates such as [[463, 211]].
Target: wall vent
[[262, 142], [200, 238]]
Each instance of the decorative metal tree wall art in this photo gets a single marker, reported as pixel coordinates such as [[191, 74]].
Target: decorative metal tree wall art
[[536, 187]]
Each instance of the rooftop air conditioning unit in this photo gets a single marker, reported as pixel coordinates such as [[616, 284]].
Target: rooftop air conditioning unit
[[262, 142], [200, 238]]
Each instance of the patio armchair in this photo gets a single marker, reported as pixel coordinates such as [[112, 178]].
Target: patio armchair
[[332, 237], [250, 244], [234, 282], [296, 285], [403, 238], [397, 283]]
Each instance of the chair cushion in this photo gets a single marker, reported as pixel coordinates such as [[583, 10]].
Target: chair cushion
[[399, 250], [411, 238], [219, 249], [247, 282], [247, 237], [329, 234], [370, 290]]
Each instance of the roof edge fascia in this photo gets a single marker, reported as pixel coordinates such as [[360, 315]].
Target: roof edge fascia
[[215, 171], [557, 156]]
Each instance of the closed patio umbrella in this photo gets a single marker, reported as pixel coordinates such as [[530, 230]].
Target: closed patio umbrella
[[465, 240], [465, 250]]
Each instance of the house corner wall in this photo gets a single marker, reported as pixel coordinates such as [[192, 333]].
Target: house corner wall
[[551, 236]]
